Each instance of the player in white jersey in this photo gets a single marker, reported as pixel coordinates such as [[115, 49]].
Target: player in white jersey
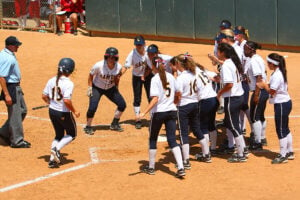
[[241, 37], [58, 93], [208, 105], [188, 112], [153, 51], [256, 74], [164, 111], [279, 96], [232, 92], [137, 59], [102, 80]]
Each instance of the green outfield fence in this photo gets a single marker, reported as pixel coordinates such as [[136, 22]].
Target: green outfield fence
[[273, 23]]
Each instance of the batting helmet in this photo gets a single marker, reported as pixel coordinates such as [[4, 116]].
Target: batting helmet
[[111, 51], [225, 24], [66, 65]]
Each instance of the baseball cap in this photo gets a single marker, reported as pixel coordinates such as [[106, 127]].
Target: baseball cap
[[152, 49], [225, 24], [220, 37], [237, 31], [139, 40], [12, 40]]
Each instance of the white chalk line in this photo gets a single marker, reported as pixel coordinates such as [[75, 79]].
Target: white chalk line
[[94, 160]]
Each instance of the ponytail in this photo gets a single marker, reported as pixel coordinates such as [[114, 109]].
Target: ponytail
[[158, 62], [187, 62]]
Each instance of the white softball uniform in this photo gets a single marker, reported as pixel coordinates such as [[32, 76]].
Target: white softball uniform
[[238, 51], [229, 74], [187, 86], [165, 97], [58, 94], [137, 61], [103, 76], [256, 68], [204, 85], [277, 83]]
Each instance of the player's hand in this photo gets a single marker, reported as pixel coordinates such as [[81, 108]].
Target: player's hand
[[77, 114], [141, 115], [8, 100], [261, 85], [89, 91]]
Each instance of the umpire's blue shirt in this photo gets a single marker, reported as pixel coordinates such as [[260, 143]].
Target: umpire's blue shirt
[[9, 67]]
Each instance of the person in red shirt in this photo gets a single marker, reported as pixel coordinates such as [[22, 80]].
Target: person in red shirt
[[72, 8]]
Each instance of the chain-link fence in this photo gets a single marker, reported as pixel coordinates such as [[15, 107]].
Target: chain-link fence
[[36, 15]]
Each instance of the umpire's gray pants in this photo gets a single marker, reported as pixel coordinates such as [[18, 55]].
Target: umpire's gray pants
[[12, 129]]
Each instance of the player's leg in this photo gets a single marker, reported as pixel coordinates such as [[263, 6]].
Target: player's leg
[[137, 94]]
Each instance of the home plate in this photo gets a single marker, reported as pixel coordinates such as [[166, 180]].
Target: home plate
[[162, 138]]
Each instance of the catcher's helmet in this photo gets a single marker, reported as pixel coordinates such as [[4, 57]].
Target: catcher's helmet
[[111, 51], [225, 24], [66, 65]]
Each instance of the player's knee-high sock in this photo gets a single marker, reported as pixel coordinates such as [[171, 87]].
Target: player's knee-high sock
[[283, 146], [242, 120], [54, 143], [230, 138], [213, 139], [89, 121], [206, 136], [240, 145], [204, 146], [118, 114], [290, 142], [137, 111], [186, 151], [263, 130], [152, 155], [64, 141], [178, 157], [257, 129]]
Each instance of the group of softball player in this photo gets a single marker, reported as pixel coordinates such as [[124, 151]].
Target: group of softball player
[[181, 96]]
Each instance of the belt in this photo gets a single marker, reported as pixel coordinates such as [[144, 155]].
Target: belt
[[13, 84]]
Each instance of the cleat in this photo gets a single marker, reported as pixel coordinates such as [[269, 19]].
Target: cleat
[[53, 164], [220, 110], [203, 158], [23, 144], [88, 130], [180, 173], [264, 142], [237, 159], [214, 152], [116, 127], [290, 156], [148, 170], [56, 154], [255, 146], [280, 159], [138, 125], [187, 165]]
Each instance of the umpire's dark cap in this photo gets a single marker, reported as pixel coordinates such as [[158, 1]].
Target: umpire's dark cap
[[12, 40], [139, 40]]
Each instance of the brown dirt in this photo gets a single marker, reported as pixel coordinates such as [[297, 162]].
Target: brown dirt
[[121, 155]]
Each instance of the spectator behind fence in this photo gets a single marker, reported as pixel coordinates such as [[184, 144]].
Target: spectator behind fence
[[72, 7], [34, 11], [21, 12]]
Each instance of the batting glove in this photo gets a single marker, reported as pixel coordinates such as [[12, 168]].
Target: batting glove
[[90, 91]]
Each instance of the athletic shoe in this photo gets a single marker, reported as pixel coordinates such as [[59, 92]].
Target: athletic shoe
[[138, 125], [180, 173], [255, 146], [88, 130], [220, 110], [203, 158], [290, 156], [214, 152], [116, 127], [264, 142], [52, 164], [187, 165], [56, 154], [280, 159], [22, 144], [148, 170], [226, 150], [235, 158]]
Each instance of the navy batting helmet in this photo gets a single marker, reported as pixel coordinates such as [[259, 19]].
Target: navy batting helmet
[[66, 65], [225, 24], [111, 51]]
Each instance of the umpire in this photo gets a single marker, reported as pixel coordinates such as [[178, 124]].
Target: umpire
[[10, 76]]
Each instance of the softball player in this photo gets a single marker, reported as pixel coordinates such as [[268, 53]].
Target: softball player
[[164, 111], [279, 96], [256, 74], [153, 51], [241, 37], [208, 106], [232, 92], [58, 93], [137, 59], [188, 112], [102, 81]]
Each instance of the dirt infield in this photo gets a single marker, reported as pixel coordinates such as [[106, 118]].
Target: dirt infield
[[107, 164]]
